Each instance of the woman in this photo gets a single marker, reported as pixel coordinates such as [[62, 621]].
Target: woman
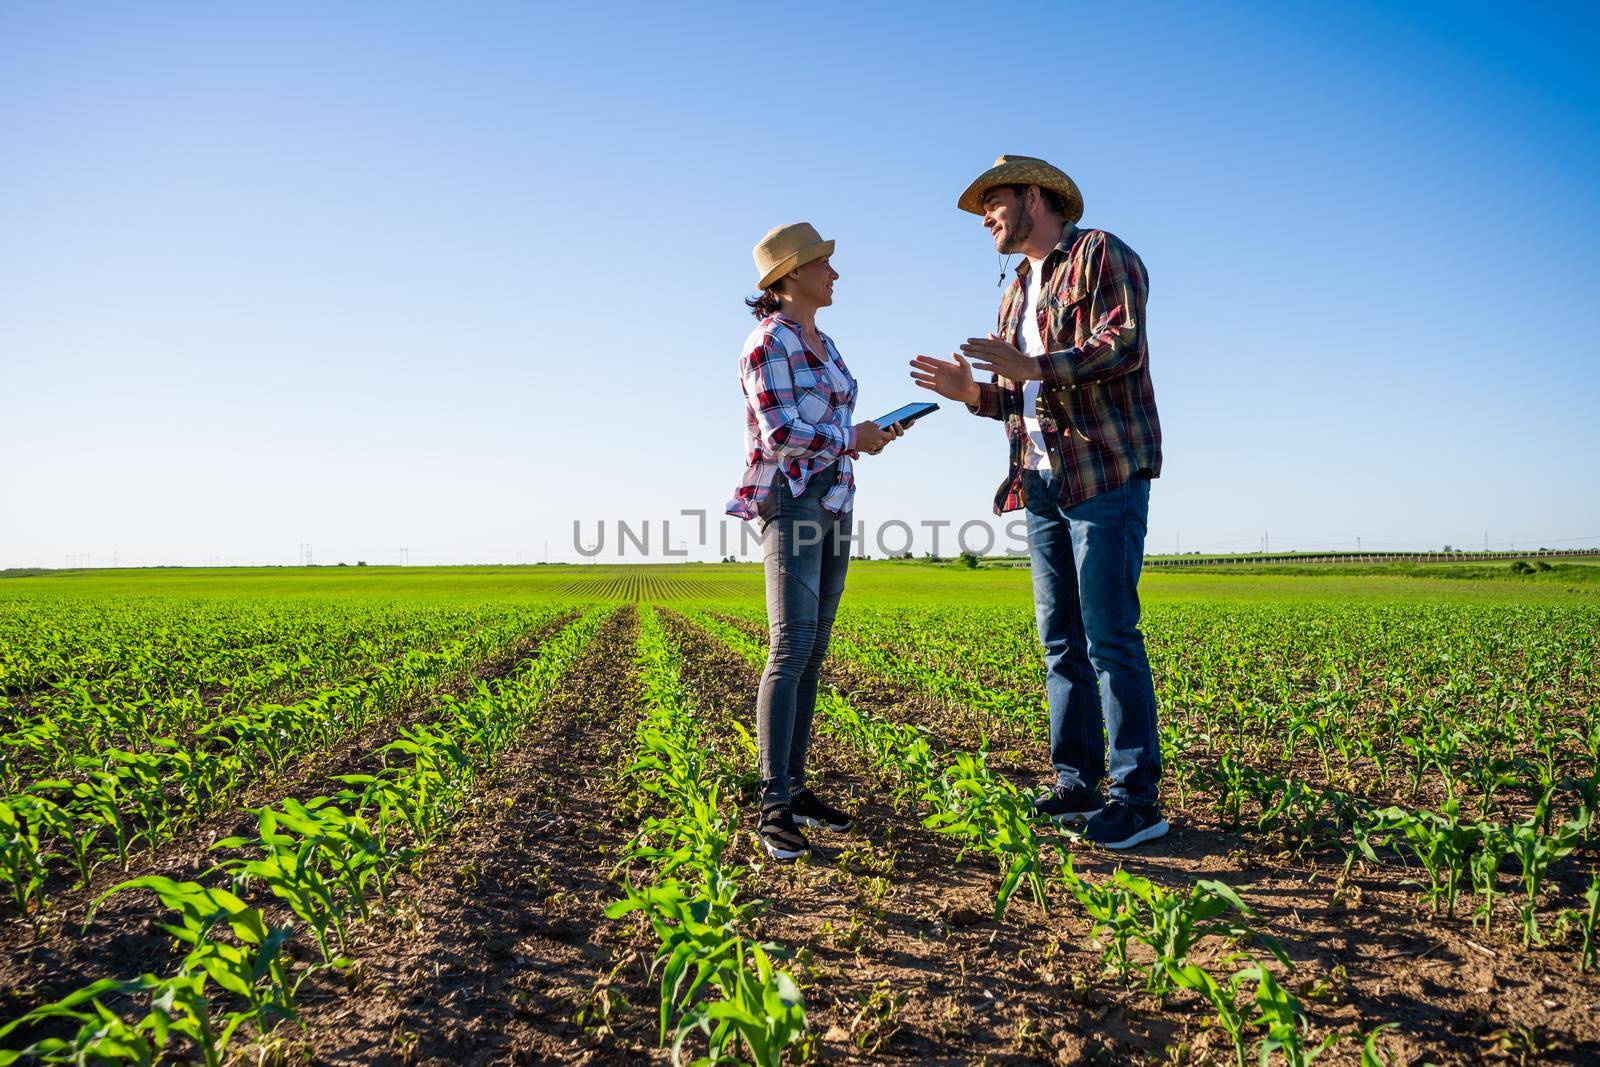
[[798, 484]]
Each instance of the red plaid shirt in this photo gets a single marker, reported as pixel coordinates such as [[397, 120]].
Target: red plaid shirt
[[797, 406], [1097, 405]]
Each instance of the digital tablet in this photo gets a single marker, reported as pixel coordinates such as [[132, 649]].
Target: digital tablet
[[907, 415]]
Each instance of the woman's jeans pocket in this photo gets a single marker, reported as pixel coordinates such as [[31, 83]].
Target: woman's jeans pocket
[[806, 523]]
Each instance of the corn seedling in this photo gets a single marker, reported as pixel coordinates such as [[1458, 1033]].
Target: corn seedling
[[1535, 851]]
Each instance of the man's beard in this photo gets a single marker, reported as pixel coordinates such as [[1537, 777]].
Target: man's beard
[[1016, 235]]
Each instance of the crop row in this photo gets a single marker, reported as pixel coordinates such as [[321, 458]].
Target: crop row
[[79, 715], [714, 978], [114, 801], [150, 644], [328, 860], [65, 651], [1453, 850]]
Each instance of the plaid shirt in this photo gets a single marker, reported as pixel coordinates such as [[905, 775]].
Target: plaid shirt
[[797, 407], [1097, 405]]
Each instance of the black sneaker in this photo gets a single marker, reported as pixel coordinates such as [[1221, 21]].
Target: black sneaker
[[1120, 825], [810, 810], [1068, 803], [780, 836]]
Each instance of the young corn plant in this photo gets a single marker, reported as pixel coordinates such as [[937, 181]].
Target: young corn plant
[[1279, 1011], [697, 925], [1233, 782], [1536, 851], [252, 967], [24, 856], [1493, 845], [1223, 996], [761, 1007], [1441, 842], [96, 803], [324, 863], [178, 1008], [702, 952], [990, 815], [1130, 908], [1489, 774], [1588, 919], [1172, 923], [900, 752], [1112, 906]]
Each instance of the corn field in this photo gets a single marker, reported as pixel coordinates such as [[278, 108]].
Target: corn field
[[507, 816]]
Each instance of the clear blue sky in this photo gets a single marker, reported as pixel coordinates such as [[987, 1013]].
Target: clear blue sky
[[452, 276]]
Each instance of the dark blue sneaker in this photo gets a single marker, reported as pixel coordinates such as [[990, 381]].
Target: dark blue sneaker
[[1068, 804], [1120, 825]]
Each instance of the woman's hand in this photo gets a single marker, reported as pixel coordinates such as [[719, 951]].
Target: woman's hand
[[953, 381], [870, 437]]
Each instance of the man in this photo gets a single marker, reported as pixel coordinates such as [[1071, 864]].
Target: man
[[1071, 382]]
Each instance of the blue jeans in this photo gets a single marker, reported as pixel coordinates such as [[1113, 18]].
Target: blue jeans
[[806, 549], [1086, 563]]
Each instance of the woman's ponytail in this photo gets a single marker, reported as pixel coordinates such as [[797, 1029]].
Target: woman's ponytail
[[765, 304]]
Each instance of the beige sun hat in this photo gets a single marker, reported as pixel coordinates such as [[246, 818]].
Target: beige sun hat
[[1023, 170], [787, 247]]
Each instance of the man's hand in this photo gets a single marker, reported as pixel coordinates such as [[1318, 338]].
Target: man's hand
[[953, 381], [993, 354], [870, 438]]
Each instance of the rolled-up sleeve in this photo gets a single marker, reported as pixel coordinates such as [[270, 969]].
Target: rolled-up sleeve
[[990, 404]]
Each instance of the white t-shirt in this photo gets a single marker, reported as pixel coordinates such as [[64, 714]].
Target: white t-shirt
[[1034, 456]]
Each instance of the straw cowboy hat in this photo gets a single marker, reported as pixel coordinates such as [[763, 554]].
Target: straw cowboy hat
[[1023, 170], [787, 247]]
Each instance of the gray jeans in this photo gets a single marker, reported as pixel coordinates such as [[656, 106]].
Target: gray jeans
[[807, 550]]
